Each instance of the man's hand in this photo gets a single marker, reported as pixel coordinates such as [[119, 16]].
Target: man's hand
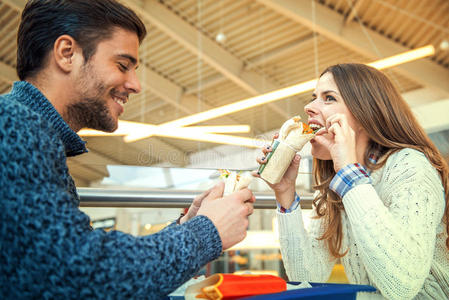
[[229, 214], [212, 193]]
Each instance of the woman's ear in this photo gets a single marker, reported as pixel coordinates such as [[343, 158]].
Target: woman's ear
[[64, 52]]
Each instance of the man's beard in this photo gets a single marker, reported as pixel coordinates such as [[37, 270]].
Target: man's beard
[[91, 113]]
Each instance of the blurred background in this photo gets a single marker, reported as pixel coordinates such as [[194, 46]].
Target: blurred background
[[200, 55]]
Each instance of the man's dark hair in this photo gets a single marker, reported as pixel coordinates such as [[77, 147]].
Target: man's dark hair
[[87, 21]]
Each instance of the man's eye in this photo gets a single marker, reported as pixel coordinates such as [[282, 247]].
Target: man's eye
[[123, 67]]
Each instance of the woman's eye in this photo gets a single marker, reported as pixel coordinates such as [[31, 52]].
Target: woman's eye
[[330, 98]]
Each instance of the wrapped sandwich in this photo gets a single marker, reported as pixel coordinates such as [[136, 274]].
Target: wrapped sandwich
[[234, 181], [230, 286], [293, 135]]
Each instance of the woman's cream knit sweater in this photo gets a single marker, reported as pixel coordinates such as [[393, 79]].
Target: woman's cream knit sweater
[[392, 229]]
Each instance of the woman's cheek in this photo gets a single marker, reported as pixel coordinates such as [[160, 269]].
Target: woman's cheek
[[319, 150]]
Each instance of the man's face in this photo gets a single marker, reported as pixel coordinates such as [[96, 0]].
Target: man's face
[[104, 83]]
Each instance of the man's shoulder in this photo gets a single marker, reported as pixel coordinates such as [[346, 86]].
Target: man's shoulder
[[20, 124], [13, 112]]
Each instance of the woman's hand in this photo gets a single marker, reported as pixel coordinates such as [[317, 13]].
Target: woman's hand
[[285, 189], [339, 140]]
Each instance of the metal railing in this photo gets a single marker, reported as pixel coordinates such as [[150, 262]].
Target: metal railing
[[101, 197]]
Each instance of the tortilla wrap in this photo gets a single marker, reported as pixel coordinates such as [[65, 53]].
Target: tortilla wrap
[[293, 135]]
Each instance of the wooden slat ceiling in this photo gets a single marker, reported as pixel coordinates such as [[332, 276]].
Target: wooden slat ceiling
[[185, 70]]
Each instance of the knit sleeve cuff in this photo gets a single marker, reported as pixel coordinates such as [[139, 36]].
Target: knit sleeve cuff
[[292, 207], [348, 177], [210, 246], [288, 221]]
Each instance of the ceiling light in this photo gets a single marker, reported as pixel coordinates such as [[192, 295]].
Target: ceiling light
[[243, 104], [403, 57], [220, 38], [206, 137], [133, 131], [291, 90], [176, 128]]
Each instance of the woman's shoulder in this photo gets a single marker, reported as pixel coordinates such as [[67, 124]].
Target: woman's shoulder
[[407, 163], [407, 157]]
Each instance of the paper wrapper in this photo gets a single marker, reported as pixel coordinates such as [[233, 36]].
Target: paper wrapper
[[233, 185], [231, 286], [281, 157]]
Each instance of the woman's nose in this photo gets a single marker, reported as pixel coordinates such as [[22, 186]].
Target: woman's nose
[[309, 109]]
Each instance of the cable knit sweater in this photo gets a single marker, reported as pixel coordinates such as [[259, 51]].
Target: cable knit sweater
[[48, 249], [392, 228]]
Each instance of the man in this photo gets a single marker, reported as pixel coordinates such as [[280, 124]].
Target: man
[[76, 61]]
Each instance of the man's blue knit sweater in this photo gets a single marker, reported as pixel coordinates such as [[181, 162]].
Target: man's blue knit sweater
[[48, 249]]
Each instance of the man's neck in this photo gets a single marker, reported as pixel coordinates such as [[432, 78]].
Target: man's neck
[[57, 96]]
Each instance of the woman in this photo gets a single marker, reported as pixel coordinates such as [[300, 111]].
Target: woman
[[381, 186]]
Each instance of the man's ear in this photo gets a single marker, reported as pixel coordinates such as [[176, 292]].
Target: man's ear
[[64, 52]]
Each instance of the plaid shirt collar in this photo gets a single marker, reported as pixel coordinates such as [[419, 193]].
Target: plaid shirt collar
[[372, 158]]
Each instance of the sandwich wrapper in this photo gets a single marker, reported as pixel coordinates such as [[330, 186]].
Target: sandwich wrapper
[[231, 286], [293, 135], [234, 182]]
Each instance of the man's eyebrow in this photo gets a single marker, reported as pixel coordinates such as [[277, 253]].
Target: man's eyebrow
[[131, 58]]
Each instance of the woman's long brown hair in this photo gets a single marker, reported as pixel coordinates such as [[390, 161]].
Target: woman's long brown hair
[[391, 126]]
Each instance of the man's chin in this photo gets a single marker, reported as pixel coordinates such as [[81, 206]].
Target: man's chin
[[109, 126], [112, 128]]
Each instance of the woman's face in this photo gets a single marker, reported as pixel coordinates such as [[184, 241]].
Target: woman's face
[[327, 101]]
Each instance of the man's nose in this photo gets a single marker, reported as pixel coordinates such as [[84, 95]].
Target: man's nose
[[133, 84]]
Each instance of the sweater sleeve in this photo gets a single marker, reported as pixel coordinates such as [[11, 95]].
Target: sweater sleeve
[[305, 257], [396, 236], [49, 249]]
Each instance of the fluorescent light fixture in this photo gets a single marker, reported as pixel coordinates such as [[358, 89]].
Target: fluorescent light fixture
[[124, 128], [133, 131], [403, 57], [206, 137], [236, 106], [176, 128], [292, 90], [220, 129], [129, 127], [243, 104]]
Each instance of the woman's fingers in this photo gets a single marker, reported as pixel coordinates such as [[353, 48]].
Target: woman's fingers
[[338, 125], [255, 174], [336, 131], [334, 119], [266, 149], [261, 159]]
